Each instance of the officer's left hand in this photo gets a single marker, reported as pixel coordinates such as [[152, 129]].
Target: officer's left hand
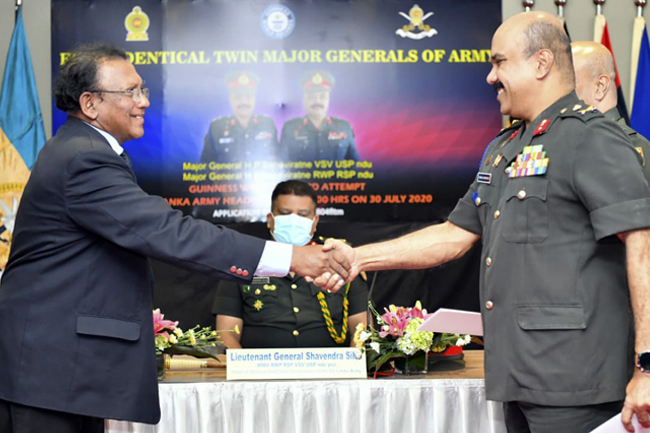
[[637, 401]]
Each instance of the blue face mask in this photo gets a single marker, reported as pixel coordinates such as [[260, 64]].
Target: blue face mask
[[292, 229]]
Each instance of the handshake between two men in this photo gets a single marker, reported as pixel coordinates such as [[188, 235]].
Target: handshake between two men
[[329, 266]]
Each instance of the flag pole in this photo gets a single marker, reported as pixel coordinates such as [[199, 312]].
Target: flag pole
[[560, 8], [639, 7], [19, 3], [599, 6], [528, 4]]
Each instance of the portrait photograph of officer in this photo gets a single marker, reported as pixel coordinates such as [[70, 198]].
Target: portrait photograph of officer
[[316, 135], [242, 135]]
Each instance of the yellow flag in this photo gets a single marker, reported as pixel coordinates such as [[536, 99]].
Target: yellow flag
[[13, 177]]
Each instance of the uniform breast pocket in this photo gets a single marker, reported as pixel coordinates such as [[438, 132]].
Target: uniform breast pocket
[[525, 214], [261, 305]]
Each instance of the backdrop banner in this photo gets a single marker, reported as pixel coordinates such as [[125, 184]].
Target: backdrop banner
[[381, 105]]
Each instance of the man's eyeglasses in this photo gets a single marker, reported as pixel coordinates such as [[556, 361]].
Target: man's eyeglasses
[[136, 93]]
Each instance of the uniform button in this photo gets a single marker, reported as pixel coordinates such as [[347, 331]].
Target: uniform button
[[508, 170], [239, 271], [488, 261], [244, 274], [489, 305], [477, 201], [497, 214], [521, 195], [295, 332], [296, 309], [233, 269], [258, 291], [294, 287]]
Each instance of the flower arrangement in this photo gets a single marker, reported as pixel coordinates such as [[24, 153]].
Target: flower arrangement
[[172, 340], [395, 335]]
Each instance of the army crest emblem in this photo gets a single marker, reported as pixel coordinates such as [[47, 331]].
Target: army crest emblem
[[416, 28], [137, 24]]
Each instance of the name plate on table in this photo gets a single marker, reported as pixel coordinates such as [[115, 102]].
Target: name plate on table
[[316, 363]]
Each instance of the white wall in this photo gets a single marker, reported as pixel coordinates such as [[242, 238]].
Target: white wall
[[579, 14]]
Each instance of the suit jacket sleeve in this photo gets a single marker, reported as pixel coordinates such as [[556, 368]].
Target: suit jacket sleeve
[[103, 198]]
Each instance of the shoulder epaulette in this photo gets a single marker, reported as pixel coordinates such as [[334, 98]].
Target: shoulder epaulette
[[584, 113]]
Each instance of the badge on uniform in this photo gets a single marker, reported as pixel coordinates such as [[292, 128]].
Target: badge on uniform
[[531, 162], [258, 305], [225, 140], [261, 280], [484, 177], [337, 136], [263, 136], [640, 150], [246, 288], [269, 287]]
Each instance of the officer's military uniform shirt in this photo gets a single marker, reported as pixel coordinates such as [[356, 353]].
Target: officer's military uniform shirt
[[554, 299], [639, 142], [301, 141], [228, 141], [285, 312]]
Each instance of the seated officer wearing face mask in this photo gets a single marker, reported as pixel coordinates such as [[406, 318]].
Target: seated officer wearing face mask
[[288, 311]]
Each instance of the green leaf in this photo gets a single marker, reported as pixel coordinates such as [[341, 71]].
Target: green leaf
[[381, 360], [190, 350]]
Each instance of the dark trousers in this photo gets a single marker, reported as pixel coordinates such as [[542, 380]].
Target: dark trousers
[[531, 418], [16, 418]]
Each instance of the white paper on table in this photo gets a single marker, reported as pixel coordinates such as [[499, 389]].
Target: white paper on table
[[454, 322], [615, 425]]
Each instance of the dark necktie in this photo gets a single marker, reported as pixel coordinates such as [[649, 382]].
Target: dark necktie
[[126, 158]]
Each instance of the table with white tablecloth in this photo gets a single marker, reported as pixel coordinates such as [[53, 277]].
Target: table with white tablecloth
[[440, 402]]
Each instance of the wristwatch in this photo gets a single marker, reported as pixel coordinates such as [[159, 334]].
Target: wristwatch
[[643, 361]]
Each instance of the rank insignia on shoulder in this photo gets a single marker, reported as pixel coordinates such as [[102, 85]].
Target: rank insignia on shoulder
[[640, 150], [261, 280], [482, 177], [258, 305], [497, 160], [269, 287], [489, 160], [589, 108], [532, 161]]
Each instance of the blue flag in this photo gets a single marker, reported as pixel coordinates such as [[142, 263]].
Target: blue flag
[[20, 113], [640, 119]]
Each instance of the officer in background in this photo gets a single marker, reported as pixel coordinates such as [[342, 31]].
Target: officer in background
[[316, 135], [596, 85], [288, 311], [242, 136]]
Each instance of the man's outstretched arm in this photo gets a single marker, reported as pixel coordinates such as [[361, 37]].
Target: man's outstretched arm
[[431, 246]]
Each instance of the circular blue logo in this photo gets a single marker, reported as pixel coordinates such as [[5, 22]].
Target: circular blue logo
[[277, 21]]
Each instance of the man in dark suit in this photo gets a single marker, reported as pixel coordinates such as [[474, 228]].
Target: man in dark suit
[[77, 342]]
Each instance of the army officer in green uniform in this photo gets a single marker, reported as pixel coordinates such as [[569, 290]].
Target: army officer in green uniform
[[242, 136], [596, 85], [316, 135], [562, 210], [288, 311]]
